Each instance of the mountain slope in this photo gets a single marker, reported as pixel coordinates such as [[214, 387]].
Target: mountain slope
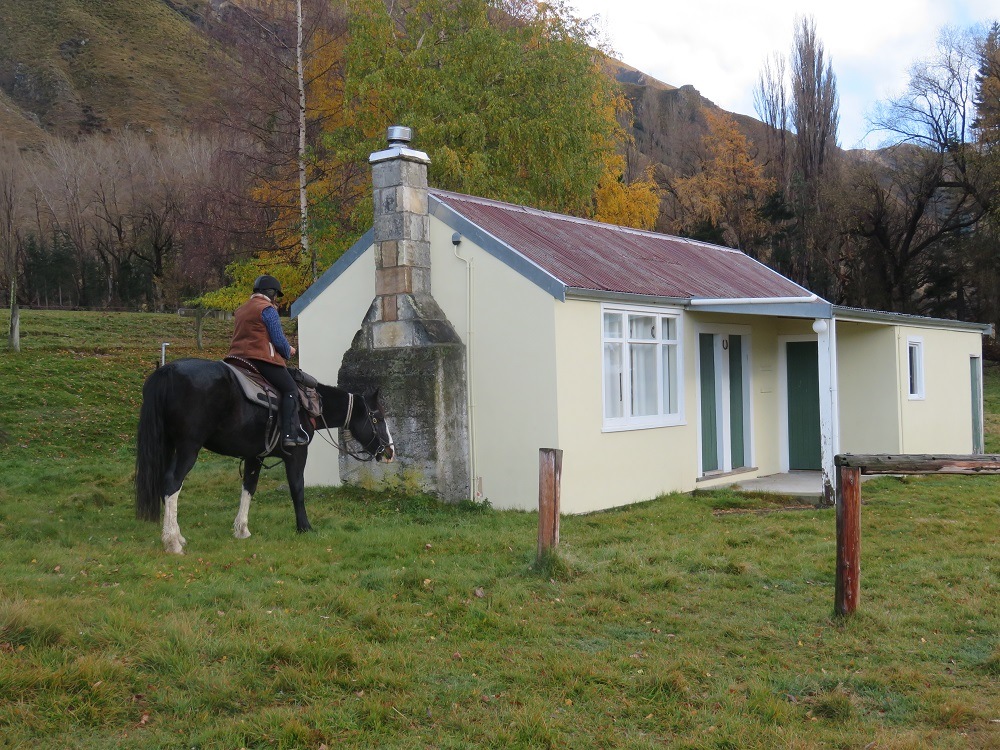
[[72, 67]]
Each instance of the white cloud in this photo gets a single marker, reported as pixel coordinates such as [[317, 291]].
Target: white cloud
[[719, 46]]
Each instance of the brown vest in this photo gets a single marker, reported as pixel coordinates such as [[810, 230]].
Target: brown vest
[[250, 337]]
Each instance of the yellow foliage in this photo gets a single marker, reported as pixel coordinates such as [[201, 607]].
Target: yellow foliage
[[294, 278], [729, 190], [635, 205]]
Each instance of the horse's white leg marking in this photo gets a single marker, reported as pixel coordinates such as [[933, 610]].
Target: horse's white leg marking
[[172, 539], [392, 445], [240, 528]]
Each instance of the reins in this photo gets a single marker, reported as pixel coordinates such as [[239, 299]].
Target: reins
[[330, 440]]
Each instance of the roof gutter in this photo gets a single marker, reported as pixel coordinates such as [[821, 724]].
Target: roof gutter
[[855, 315], [753, 300]]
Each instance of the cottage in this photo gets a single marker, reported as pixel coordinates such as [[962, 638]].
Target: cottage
[[656, 363]]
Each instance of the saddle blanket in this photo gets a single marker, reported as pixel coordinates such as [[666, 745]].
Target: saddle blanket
[[259, 391], [255, 386]]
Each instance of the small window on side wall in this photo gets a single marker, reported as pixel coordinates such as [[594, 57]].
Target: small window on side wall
[[915, 367]]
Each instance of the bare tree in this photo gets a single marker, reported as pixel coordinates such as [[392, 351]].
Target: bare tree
[[771, 104], [63, 181], [802, 109], [815, 104], [11, 185], [924, 198]]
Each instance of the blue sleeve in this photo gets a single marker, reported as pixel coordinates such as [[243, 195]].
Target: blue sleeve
[[273, 324]]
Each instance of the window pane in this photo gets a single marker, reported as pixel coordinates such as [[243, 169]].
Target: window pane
[[642, 327], [644, 386], [614, 405], [670, 379], [914, 365], [669, 329], [612, 325]]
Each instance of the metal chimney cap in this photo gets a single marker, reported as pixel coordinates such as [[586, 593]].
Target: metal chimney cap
[[399, 135]]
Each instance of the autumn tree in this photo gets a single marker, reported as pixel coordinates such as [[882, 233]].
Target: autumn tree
[[728, 192], [276, 112], [506, 97]]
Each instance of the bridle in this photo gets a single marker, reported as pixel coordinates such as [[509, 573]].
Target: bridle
[[372, 455]]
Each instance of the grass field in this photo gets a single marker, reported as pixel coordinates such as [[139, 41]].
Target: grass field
[[401, 623]]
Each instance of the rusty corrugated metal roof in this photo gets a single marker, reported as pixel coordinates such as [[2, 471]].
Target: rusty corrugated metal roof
[[593, 256]]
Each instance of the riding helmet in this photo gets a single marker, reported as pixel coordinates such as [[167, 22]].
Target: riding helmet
[[263, 283]]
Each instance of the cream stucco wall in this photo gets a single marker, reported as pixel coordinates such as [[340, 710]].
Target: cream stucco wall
[[867, 378], [326, 329], [510, 337], [941, 422], [607, 469], [536, 382]]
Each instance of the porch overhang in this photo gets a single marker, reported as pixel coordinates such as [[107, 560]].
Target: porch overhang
[[812, 307]]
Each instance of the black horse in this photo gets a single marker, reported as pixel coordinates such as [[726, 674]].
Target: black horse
[[194, 403]]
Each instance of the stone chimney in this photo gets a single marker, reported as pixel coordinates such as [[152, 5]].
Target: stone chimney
[[406, 345]]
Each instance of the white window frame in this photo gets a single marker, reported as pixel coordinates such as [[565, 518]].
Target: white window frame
[[915, 380], [627, 421]]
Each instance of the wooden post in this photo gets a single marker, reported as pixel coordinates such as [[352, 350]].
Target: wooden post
[[848, 587], [549, 477], [199, 317]]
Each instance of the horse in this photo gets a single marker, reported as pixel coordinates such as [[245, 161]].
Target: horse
[[190, 404]]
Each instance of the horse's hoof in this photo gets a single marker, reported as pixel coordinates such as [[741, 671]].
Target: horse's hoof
[[304, 529], [241, 533], [173, 549]]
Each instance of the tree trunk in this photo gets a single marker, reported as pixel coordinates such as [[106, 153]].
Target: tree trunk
[[14, 335], [303, 200]]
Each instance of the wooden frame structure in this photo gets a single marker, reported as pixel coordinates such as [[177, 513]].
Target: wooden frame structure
[[850, 467]]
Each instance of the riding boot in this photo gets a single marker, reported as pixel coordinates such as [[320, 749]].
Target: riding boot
[[291, 434]]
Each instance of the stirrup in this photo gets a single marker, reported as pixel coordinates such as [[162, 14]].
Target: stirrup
[[294, 441]]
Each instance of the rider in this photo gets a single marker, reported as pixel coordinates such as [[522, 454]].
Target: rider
[[258, 337]]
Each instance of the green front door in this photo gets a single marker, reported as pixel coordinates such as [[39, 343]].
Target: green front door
[[737, 444], [803, 406]]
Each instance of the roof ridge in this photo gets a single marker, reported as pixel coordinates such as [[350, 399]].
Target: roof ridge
[[580, 220]]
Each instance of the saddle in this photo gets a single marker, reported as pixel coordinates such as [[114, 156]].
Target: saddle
[[259, 391]]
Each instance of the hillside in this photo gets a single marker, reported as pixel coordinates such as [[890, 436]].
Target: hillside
[[70, 67], [73, 67]]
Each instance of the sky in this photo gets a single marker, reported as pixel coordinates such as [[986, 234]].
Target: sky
[[720, 46]]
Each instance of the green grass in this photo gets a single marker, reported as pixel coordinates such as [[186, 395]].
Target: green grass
[[402, 623]]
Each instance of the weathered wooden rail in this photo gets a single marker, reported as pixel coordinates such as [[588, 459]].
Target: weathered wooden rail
[[850, 468]]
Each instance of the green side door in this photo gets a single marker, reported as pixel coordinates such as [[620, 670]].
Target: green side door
[[709, 411], [803, 406]]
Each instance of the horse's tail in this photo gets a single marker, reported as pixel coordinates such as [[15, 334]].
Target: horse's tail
[[151, 453]]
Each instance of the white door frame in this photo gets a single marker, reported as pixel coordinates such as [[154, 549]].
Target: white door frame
[[783, 341], [723, 417], [825, 336]]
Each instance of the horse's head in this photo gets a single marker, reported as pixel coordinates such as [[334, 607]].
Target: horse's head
[[369, 428]]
